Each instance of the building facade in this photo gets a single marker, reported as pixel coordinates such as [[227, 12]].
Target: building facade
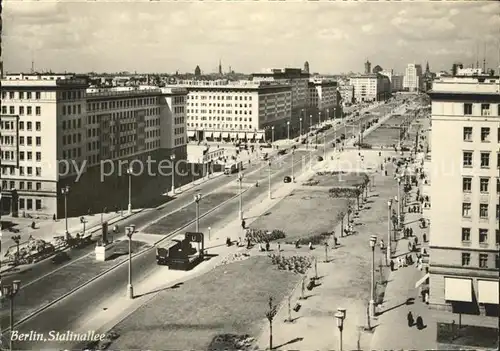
[[230, 111], [412, 80], [370, 87], [464, 194], [322, 94], [346, 92], [56, 133]]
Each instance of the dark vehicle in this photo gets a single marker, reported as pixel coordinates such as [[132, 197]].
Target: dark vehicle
[[267, 146], [320, 158], [287, 179], [282, 152], [60, 257], [342, 137]]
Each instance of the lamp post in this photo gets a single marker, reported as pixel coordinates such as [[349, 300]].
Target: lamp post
[[240, 179], [373, 241], [388, 250], [197, 199], [319, 118], [324, 146], [269, 171], [310, 122], [300, 128], [65, 192], [172, 160], [340, 315], [130, 289], [16, 239], [9, 291], [129, 208], [270, 317], [327, 113], [399, 202], [293, 162], [272, 135], [288, 129]]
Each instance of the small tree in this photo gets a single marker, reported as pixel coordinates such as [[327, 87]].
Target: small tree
[[270, 317], [341, 217]]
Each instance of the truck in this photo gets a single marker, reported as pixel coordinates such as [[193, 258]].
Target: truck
[[233, 167]]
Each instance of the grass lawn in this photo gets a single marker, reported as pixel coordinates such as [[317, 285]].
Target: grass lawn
[[303, 213], [383, 137], [347, 180], [67, 278], [468, 335], [231, 299], [185, 215]]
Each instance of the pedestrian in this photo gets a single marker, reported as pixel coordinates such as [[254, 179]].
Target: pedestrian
[[411, 231], [243, 224], [54, 217], [310, 245], [391, 264], [409, 317], [382, 246], [410, 248], [420, 323], [424, 237], [416, 241], [297, 244], [268, 246], [279, 247]]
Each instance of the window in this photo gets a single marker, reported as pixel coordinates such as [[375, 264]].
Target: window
[[29, 110], [29, 204], [498, 130], [38, 141], [38, 110], [485, 159], [466, 209], [467, 184], [485, 134], [38, 186], [485, 109], [37, 95], [467, 133], [38, 126], [465, 234], [467, 159], [498, 212], [483, 260], [29, 141], [38, 156], [483, 236], [29, 126], [483, 210], [38, 204], [21, 110], [498, 185], [483, 185], [465, 259], [497, 261]]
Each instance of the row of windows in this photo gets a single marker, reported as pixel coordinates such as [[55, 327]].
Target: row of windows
[[485, 109], [72, 124], [178, 109], [485, 134], [29, 171], [484, 184], [29, 204], [179, 131], [228, 119], [22, 110], [96, 106], [21, 95], [483, 210], [483, 260], [22, 185], [9, 125], [210, 125], [72, 153], [29, 141], [204, 104], [219, 97], [71, 109], [29, 156], [483, 235], [484, 158], [236, 112]]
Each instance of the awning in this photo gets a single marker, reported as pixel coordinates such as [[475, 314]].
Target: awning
[[241, 135], [225, 135], [260, 136], [457, 289], [488, 291], [422, 280], [233, 135], [209, 135], [191, 133], [216, 134]]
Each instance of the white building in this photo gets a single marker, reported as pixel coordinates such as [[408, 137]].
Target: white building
[[370, 87], [221, 110], [322, 94], [347, 94], [464, 194], [412, 80], [55, 133]]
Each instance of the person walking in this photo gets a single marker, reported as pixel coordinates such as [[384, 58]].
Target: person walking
[[410, 319], [391, 264], [420, 323], [424, 237]]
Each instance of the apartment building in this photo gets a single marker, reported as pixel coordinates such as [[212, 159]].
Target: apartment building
[[347, 94], [395, 80], [323, 94], [222, 110], [464, 194], [56, 133], [412, 80], [370, 87]]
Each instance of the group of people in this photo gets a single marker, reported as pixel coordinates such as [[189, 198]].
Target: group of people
[[419, 322], [401, 261]]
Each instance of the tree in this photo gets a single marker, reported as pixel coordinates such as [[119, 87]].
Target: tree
[[341, 218], [270, 317]]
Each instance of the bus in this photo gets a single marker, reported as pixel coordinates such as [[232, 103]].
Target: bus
[[233, 167]]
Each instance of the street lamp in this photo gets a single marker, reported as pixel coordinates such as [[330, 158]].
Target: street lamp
[[340, 315], [197, 199], [269, 169], [310, 122], [240, 179], [65, 192], [288, 129], [293, 162], [327, 113], [396, 199], [319, 118], [399, 202], [373, 241], [300, 128], [129, 208], [9, 291], [172, 160], [389, 209], [17, 240], [272, 135], [130, 289]]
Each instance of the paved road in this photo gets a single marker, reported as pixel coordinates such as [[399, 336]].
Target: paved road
[[65, 315]]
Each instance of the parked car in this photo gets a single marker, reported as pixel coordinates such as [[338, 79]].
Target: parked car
[[287, 179], [60, 257], [320, 158]]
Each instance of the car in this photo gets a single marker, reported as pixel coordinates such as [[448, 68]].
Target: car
[[287, 179], [60, 257], [282, 152], [320, 158]]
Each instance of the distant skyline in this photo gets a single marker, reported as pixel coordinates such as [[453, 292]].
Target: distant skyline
[[333, 37]]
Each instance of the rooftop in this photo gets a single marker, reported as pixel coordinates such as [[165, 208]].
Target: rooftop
[[225, 84], [467, 85]]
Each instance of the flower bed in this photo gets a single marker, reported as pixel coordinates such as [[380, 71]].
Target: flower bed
[[311, 182], [341, 192], [258, 236], [330, 173], [313, 239], [296, 264]]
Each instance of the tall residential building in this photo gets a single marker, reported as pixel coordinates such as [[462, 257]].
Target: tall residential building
[[412, 80], [347, 94], [370, 87], [464, 195], [323, 95], [221, 110], [57, 132]]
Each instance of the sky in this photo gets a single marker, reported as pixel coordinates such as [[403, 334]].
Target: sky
[[166, 36]]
